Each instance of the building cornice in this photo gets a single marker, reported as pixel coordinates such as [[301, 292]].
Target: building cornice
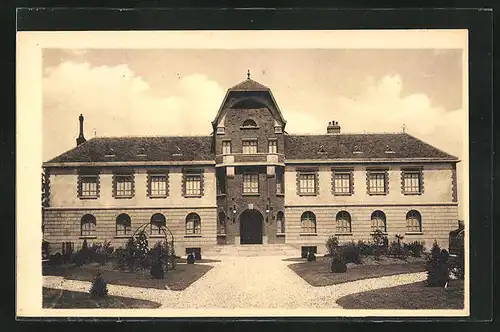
[[128, 163], [370, 161], [368, 205], [141, 207]]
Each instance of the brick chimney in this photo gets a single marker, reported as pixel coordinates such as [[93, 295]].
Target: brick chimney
[[81, 139], [333, 128]]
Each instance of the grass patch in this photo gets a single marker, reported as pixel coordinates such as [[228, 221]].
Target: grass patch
[[177, 280], [411, 296], [317, 273], [63, 299]]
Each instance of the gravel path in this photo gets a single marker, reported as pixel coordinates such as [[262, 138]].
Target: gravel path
[[247, 282]]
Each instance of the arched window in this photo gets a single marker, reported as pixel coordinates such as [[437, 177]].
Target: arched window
[[280, 218], [193, 224], [87, 224], [343, 222], [123, 224], [157, 221], [221, 225], [379, 221], [308, 222], [249, 123], [413, 221]]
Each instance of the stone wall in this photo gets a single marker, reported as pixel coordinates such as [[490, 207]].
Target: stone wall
[[63, 225], [437, 221]]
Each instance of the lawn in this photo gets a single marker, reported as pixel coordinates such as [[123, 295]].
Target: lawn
[[317, 273], [177, 280], [63, 299], [410, 296]]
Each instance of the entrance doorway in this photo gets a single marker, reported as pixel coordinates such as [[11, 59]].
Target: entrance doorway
[[251, 227]]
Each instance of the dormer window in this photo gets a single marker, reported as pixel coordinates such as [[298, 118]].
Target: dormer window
[[249, 124], [110, 153], [141, 152], [357, 150], [388, 149]]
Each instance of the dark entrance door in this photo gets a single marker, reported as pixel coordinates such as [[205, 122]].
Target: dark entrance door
[[251, 227]]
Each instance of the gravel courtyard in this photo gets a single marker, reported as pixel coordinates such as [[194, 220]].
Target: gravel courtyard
[[247, 282]]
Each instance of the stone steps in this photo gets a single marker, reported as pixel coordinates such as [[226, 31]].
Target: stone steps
[[249, 250]]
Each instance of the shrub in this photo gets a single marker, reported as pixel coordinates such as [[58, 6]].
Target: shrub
[[350, 253], [190, 258], [364, 248], [331, 244], [99, 286], [380, 243], [311, 257], [415, 248], [397, 251], [56, 259], [45, 249], [437, 267], [338, 265], [157, 257]]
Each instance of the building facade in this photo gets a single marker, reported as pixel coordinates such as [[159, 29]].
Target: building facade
[[250, 182]]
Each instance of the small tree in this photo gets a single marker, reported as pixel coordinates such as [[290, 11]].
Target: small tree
[[157, 257], [338, 264], [331, 244], [99, 287], [437, 267]]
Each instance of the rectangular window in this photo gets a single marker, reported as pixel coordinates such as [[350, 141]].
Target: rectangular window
[[273, 146], [307, 183], [251, 183], [124, 185], [226, 147], [158, 185], [88, 186], [193, 184], [411, 182], [342, 183], [377, 182], [279, 182], [249, 146]]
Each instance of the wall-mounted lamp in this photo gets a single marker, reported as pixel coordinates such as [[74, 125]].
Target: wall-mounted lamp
[[234, 212]]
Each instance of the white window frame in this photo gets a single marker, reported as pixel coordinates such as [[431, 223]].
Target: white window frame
[[226, 147], [374, 179], [86, 192], [250, 183], [249, 146], [272, 146], [154, 181], [191, 189]]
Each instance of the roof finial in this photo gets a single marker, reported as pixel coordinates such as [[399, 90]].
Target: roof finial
[[404, 128], [248, 74]]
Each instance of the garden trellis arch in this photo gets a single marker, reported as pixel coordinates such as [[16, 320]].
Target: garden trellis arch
[[166, 234]]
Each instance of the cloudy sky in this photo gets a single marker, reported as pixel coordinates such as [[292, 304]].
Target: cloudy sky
[[178, 92]]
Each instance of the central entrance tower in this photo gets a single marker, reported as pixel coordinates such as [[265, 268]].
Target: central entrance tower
[[249, 153]]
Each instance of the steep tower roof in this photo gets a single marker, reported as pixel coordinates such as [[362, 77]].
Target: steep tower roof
[[256, 91]]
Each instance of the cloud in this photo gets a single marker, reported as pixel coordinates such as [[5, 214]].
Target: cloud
[[380, 106], [116, 102]]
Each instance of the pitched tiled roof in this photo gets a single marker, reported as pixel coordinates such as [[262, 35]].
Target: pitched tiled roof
[[372, 146], [165, 148], [249, 85]]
